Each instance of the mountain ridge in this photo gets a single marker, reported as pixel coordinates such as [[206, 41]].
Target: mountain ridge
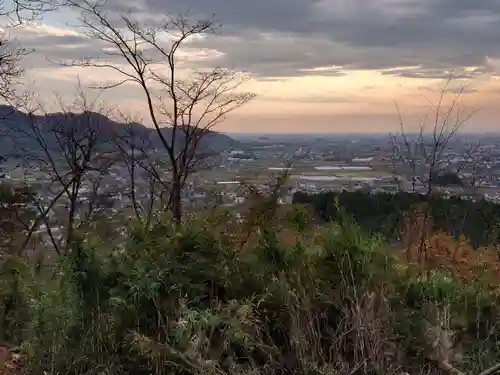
[[16, 131]]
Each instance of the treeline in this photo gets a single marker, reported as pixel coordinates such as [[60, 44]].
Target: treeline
[[478, 221]]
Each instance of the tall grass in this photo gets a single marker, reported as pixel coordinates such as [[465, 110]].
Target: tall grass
[[269, 296]]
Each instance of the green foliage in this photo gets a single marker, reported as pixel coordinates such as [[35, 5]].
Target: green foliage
[[192, 299], [13, 273], [299, 218], [357, 260], [436, 288]]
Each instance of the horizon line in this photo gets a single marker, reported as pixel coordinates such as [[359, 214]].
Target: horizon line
[[350, 133]]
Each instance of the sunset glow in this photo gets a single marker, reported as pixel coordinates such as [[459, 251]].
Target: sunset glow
[[310, 76]]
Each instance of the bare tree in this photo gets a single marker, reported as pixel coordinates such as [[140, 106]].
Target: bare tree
[[146, 183], [74, 148], [16, 14], [20, 12], [426, 155], [183, 107], [11, 70]]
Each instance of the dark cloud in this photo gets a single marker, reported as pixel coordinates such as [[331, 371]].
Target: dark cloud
[[269, 36], [279, 38], [50, 47]]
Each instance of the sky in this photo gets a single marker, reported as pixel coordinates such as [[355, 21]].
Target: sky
[[314, 65]]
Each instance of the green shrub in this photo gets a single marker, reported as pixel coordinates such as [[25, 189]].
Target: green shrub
[[192, 299]]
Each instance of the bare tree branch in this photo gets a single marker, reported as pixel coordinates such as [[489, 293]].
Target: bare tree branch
[[425, 156], [11, 70], [20, 12], [71, 146], [183, 108]]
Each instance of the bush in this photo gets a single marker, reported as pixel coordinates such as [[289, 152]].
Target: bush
[[256, 299]]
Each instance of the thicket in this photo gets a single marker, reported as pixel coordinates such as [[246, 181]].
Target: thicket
[[272, 294]]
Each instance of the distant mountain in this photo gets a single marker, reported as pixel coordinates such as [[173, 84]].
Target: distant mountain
[[18, 137]]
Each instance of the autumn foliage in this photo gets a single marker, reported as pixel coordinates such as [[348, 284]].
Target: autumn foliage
[[431, 249]]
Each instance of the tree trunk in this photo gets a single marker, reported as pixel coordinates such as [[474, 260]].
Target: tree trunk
[[176, 206]]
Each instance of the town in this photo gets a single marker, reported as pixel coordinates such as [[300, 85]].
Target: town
[[314, 163]]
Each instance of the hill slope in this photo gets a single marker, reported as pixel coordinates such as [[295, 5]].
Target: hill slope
[[17, 134]]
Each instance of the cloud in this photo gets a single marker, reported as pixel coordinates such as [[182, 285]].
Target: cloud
[[50, 45], [438, 73], [357, 55], [286, 37], [313, 99], [273, 39], [461, 90]]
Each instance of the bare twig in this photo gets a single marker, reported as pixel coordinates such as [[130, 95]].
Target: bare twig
[[426, 152], [71, 148], [182, 108]]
